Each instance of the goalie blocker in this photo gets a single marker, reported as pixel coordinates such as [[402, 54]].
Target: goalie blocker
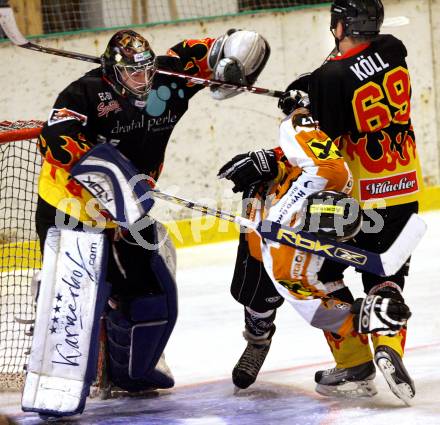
[[77, 278]]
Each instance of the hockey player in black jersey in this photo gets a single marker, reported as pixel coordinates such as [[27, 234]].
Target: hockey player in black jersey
[[111, 125], [361, 99]]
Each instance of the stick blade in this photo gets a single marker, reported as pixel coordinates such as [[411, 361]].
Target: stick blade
[[396, 21], [9, 26], [401, 249]]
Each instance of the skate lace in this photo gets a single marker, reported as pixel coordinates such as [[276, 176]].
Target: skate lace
[[332, 371], [253, 359]]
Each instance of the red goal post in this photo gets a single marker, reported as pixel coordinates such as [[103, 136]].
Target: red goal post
[[20, 164], [11, 131]]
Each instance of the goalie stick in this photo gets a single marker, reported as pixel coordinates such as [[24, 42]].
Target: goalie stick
[[9, 26], [381, 264]]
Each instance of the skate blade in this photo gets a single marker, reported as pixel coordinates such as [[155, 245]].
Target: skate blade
[[354, 389], [103, 393], [52, 419], [237, 390], [403, 390], [116, 392]]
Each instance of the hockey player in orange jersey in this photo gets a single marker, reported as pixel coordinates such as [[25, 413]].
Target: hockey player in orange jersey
[[306, 182]]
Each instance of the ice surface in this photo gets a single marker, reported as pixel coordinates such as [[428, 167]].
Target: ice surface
[[207, 342]]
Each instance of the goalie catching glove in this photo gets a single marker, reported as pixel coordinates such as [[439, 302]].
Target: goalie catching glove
[[374, 313], [247, 169], [237, 57]]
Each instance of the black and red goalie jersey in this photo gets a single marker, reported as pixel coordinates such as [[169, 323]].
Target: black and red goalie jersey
[[89, 111]]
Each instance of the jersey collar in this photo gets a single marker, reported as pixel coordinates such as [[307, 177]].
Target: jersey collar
[[352, 52]]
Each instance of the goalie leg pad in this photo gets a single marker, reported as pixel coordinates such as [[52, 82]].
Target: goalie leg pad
[[138, 332], [72, 294]]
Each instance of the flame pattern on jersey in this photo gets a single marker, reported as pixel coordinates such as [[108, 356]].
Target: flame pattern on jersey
[[337, 341], [302, 290], [380, 152], [354, 348], [195, 53], [65, 154], [75, 188], [349, 350]]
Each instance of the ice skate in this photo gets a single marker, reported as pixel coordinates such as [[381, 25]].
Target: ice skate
[[246, 370], [351, 382], [395, 373]]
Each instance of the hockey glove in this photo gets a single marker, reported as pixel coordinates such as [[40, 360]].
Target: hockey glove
[[286, 103], [247, 169], [230, 70], [386, 316], [292, 100], [387, 289]]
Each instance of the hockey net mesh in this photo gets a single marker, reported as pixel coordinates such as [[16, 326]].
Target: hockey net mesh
[[20, 256], [36, 17]]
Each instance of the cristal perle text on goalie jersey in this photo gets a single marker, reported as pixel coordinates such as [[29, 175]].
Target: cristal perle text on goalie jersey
[[88, 112], [362, 100]]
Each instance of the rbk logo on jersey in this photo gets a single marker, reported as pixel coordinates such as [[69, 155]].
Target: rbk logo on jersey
[[59, 115]]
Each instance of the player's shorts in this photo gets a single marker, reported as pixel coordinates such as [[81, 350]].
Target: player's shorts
[[394, 218], [251, 285]]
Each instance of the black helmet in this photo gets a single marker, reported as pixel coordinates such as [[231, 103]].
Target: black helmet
[[129, 65], [332, 215], [361, 18]]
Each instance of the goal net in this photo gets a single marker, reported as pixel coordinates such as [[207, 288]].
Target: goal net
[[19, 250]]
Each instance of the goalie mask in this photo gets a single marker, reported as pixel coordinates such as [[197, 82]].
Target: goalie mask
[[360, 18], [332, 214], [129, 66]]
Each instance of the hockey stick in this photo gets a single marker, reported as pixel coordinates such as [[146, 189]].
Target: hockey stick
[[217, 83], [9, 26], [384, 264]]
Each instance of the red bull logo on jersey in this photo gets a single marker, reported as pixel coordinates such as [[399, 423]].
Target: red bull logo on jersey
[[390, 186]]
